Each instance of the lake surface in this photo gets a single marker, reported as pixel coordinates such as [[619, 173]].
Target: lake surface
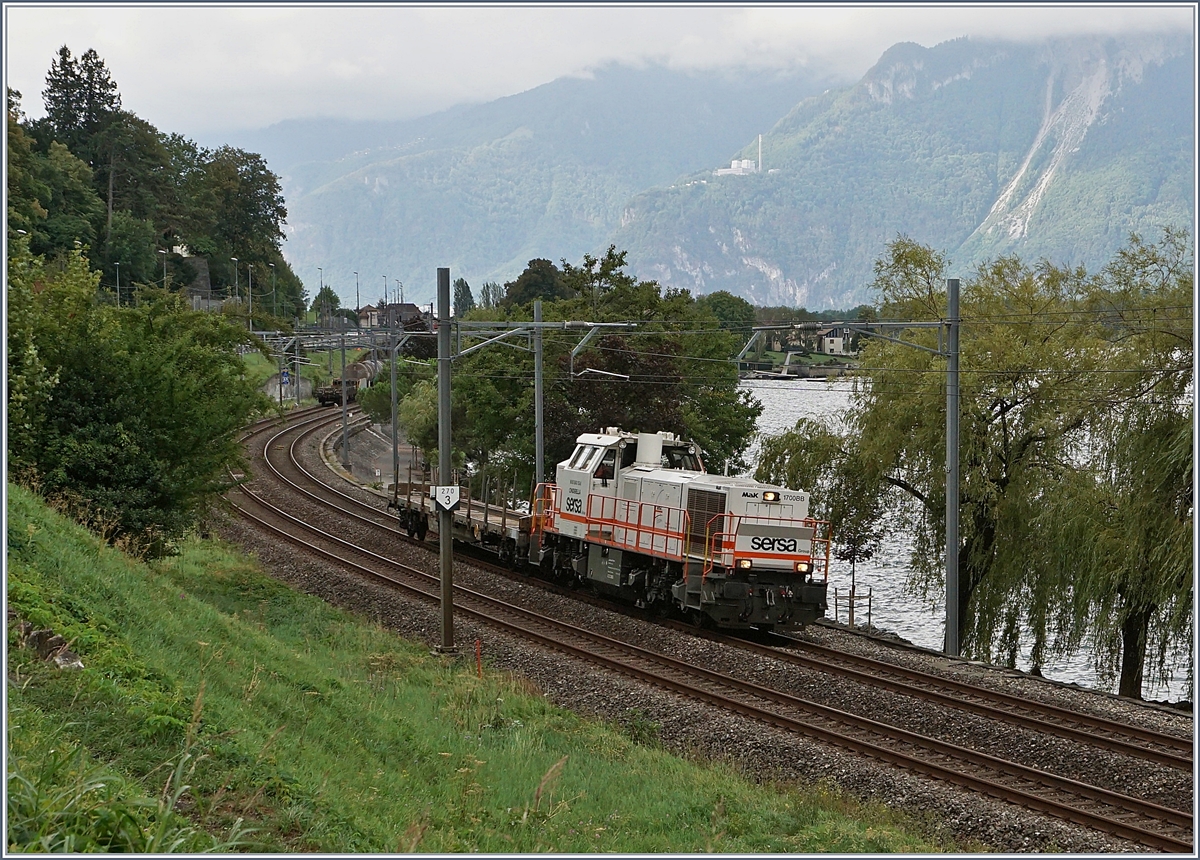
[[885, 575]]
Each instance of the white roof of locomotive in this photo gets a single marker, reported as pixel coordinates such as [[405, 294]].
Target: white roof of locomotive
[[610, 438], [702, 479], [601, 439]]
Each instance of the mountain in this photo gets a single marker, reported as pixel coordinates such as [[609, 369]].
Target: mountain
[[977, 148], [483, 189]]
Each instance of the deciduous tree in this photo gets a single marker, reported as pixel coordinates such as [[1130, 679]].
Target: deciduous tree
[[463, 299], [144, 419], [1064, 410]]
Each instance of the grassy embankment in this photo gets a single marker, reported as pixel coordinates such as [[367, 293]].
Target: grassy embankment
[[328, 733]]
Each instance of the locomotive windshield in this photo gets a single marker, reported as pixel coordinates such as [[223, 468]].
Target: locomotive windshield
[[584, 457]]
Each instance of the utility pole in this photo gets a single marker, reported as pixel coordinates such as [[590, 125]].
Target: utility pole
[[952, 409], [445, 516], [950, 325], [539, 433], [395, 436], [345, 409]]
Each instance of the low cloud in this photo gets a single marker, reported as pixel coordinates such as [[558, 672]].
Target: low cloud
[[203, 70]]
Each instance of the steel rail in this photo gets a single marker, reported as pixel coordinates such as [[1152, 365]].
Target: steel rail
[[1104, 820], [993, 704], [1074, 726]]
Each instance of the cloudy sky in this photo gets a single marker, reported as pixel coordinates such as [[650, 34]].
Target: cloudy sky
[[204, 70]]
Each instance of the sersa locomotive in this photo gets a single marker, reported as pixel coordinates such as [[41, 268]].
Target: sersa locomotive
[[638, 518]]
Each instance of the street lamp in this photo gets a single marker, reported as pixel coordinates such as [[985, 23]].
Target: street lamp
[[357, 300], [164, 253], [250, 290], [274, 299], [385, 300], [321, 288], [235, 276]]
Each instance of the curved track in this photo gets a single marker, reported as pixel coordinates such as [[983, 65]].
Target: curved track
[[1143, 822]]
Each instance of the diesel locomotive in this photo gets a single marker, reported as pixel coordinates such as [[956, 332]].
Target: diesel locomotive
[[637, 517]]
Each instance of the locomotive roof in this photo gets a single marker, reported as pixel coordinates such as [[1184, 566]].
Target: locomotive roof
[[611, 438], [704, 479]]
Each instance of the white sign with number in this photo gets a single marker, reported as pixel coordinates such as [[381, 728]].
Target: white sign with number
[[446, 497]]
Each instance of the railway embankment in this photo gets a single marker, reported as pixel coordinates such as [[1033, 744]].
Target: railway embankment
[[300, 726]]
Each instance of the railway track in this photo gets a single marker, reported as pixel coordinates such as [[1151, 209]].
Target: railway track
[[1122, 738], [1130, 818]]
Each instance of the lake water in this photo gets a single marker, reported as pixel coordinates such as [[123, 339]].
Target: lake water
[[893, 608]]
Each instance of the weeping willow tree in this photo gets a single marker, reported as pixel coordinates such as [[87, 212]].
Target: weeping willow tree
[[1050, 439], [1123, 523]]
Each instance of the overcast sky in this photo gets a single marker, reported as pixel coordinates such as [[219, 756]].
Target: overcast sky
[[201, 70]]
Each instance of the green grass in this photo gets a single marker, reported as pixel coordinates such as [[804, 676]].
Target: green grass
[[259, 368], [327, 733]]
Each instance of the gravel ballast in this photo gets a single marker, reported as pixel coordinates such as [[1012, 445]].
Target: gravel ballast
[[763, 753]]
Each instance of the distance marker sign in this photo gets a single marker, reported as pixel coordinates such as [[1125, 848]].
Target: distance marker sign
[[445, 497]]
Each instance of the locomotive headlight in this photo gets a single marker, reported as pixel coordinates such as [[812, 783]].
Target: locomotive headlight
[[744, 564], [802, 567], [770, 496]]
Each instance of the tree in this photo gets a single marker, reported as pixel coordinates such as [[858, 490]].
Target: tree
[[131, 243], [734, 312], [490, 294], [1038, 554], [540, 280], [249, 208], [73, 210], [376, 400], [80, 97], [145, 416], [132, 171], [464, 301], [25, 210], [672, 372], [327, 302], [595, 277], [30, 382], [1124, 522]]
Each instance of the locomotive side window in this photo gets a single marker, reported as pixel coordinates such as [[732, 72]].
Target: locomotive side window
[[607, 467]]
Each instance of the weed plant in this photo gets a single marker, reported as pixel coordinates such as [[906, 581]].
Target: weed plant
[[213, 693]]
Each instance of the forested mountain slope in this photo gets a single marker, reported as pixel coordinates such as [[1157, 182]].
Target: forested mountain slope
[[977, 148], [484, 189]]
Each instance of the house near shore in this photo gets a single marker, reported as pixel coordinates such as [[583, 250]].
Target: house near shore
[[390, 315], [833, 341]]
